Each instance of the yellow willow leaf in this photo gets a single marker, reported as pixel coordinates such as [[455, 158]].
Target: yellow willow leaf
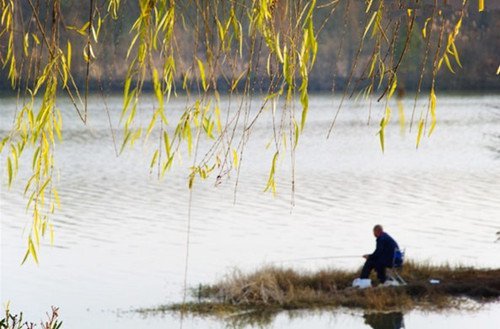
[[432, 101], [9, 170], [26, 44], [240, 38], [217, 120], [313, 42], [189, 138], [36, 234], [3, 142], [440, 63], [125, 140], [393, 87], [312, 6], [402, 120], [191, 180], [368, 6], [210, 128], [270, 182], [51, 227], [455, 53], [68, 56], [387, 115], [424, 30], [372, 19], [42, 189], [83, 29], [167, 165], [304, 100], [94, 33], [203, 78], [131, 116], [235, 158], [381, 134], [221, 30], [481, 5], [448, 64], [99, 25], [235, 82], [134, 40], [278, 49], [135, 136], [456, 30], [166, 141], [154, 160], [32, 250], [56, 198], [420, 131], [58, 124], [268, 65], [35, 38], [25, 256], [88, 53]]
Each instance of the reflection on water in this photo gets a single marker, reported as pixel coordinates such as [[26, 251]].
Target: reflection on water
[[261, 319], [392, 320], [120, 235], [265, 319]]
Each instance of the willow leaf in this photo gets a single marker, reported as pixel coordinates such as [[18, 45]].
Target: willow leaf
[[420, 131], [154, 160], [203, 77], [32, 250], [381, 134], [235, 159], [448, 64], [9, 170], [432, 104], [372, 19]]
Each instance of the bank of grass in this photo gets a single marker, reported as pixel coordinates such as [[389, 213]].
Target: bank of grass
[[273, 289]]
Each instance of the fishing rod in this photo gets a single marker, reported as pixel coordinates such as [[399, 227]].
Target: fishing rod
[[315, 258]]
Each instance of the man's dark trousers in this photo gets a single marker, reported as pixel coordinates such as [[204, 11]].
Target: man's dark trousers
[[377, 266]]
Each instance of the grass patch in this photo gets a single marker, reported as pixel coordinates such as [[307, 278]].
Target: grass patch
[[273, 289]]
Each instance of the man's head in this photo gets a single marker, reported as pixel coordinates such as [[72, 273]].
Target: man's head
[[378, 230]]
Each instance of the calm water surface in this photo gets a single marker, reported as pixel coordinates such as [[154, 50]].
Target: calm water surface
[[120, 235]]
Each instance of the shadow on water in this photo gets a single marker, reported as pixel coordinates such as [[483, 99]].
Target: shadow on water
[[393, 320]]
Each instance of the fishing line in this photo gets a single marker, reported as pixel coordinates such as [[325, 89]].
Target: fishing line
[[314, 258]]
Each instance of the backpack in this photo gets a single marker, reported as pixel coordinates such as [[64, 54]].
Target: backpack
[[398, 258]]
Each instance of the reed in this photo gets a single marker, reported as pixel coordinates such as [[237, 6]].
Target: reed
[[273, 289]]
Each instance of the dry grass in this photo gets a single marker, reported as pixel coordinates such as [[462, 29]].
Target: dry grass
[[273, 289]]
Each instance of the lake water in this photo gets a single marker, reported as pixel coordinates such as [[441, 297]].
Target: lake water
[[121, 233]]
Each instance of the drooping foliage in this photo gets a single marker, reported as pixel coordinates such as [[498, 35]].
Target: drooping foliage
[[233, 44]]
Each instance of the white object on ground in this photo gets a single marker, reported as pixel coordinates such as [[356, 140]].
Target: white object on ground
[[362, 283], [434, 281], [391, 283]]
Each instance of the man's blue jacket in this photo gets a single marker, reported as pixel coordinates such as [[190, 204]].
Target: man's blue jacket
[[384, 253]]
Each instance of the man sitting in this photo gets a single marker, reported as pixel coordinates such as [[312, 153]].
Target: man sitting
[[382, 257]]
